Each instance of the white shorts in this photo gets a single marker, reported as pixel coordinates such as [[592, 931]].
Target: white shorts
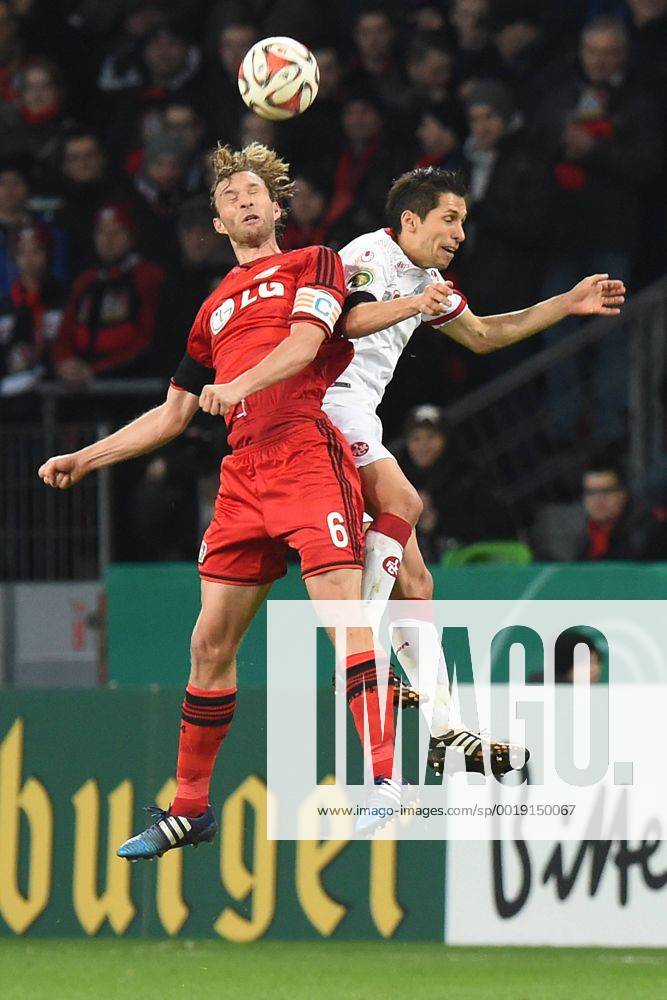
[[362, 431]]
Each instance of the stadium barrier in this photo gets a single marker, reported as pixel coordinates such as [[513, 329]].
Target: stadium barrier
[[152, 608], [76, 768]]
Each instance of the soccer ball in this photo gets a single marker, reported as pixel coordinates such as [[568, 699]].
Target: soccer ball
[[278, 78]]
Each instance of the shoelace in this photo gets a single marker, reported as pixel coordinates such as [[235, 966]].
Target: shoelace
[[156, 813]]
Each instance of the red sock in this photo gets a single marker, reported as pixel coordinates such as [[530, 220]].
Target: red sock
[[205, 718], [362, 689]]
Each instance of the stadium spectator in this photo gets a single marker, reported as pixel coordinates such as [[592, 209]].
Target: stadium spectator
[[439, 136], [430, 68], [205, 259], [365, 168], [121, 68], [35, 123], [14, 191], [170, 72], [306, 221], [234, 38], [508, 204], [520, 45], [377, 70], [15, 213], [468, 510], [30, 318], [111, 314], [475, 56], [311, 142], [84, 186], [603, 138], [609, 523], [649, 43], [255, 129], [648, 61], [155, 198], [184, 124]]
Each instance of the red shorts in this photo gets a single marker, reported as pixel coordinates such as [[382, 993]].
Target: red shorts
[[301, 490]]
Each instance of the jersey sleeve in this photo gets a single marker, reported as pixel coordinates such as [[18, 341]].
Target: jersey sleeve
[[320, 290], [195, 369], [365, 279], [457, 304]]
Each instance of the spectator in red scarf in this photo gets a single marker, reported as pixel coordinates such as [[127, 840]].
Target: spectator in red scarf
[[364, 171], [112, 310], [618, 526], [30, 318], [607, 523], [35, 123]]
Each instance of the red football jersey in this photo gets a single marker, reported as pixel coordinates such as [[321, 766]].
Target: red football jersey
[[249, 314]]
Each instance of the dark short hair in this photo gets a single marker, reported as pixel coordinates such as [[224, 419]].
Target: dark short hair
[[419, 191], [605, 460], [566, 644]]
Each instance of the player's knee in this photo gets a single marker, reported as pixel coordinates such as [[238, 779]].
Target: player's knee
[[210, 655], [407, 504]]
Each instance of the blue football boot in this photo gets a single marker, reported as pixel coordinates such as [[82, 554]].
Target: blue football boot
[[168, 832]]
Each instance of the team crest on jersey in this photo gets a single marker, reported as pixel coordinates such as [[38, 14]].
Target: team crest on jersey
[[360, 279], [359, 449], [222, 316], [391, 565]]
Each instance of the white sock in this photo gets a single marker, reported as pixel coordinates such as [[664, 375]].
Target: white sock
[[385, 541], [428, 677]]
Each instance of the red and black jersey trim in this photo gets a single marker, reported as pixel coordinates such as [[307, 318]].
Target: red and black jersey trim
[[325, 271], [335, 450]]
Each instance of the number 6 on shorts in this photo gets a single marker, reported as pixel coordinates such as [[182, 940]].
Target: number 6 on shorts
[[337, 530]]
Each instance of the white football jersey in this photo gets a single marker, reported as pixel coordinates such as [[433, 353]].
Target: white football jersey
[[374, 263]]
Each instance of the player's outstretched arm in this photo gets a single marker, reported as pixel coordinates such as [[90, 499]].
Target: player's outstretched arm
[[597, 295], [289, 358], [365, 318], [147, 432]]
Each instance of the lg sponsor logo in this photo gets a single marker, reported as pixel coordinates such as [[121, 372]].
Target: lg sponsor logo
[[225, 311]]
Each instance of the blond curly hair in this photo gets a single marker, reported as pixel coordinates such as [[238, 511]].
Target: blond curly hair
[[259, 160]]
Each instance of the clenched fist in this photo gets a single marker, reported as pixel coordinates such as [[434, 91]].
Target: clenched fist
[[217, 399], [62, 471], [434, 299]]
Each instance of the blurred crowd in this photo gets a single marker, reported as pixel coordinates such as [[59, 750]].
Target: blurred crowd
[[108, 111]]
